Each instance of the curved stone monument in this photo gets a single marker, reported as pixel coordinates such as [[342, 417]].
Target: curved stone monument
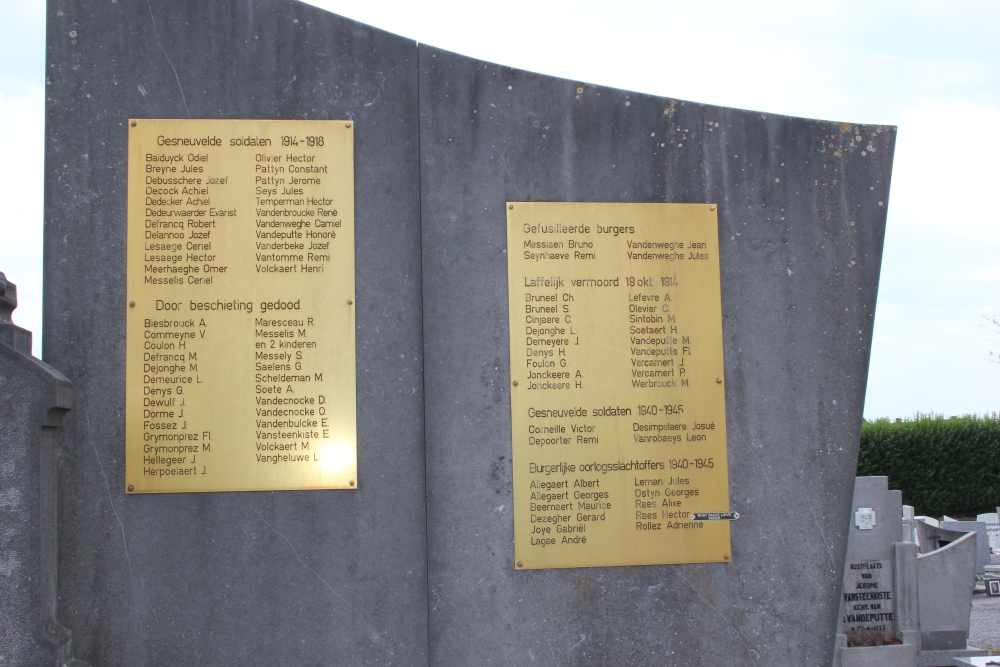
[[415, 566]]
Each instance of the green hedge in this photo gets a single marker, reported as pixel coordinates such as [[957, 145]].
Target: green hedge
[[942, 466]]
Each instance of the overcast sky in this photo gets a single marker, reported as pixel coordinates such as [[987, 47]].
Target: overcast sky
[[930, 68]]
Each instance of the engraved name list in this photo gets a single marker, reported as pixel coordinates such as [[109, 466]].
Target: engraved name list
[[240, 366]]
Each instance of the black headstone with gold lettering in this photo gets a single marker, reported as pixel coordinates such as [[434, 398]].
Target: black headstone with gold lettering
[[400, 570]]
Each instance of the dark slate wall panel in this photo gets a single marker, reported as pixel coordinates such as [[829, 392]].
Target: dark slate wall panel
[[325, 577], [802, 216]]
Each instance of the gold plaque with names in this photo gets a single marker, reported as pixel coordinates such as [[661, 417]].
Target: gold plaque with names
[[240, 349], [618, 408]]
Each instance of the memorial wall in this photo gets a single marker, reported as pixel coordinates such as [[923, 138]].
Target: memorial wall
[[801, 210], [386, 355], [271, 577]]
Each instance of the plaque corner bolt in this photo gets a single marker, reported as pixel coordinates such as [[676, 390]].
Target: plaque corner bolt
[[352, 483], [131, 488], [131, 304], [718, 380], [726, 556], [347, 125], [510, 207], [520, 563], [514, 383], [133, 123], [350, 302], [712, 207]]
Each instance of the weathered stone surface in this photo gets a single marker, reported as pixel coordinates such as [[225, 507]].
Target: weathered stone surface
[[801, 215], [909, 531], [992, 530], [321, 577], [946, 577], [33, 399], [922, 599], [872, 562], [982, 539], [343, 577]]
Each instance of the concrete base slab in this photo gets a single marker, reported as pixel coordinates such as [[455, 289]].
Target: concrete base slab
[[979, 661], [899, 655], [949, 657]]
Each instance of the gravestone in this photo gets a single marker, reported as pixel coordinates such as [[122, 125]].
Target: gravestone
[[415, 565], [945, 578], [982, 539], [909, 530], [992, 531], [870, 594], [903, 605]]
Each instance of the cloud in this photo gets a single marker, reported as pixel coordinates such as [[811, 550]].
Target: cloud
[[21, 177], [946, 164], [22, 44]]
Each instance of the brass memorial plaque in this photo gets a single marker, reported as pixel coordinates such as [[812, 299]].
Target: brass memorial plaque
[[240, 358], [618, 397]]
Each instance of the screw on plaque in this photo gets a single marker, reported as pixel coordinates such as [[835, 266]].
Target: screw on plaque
[[131, 488]]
